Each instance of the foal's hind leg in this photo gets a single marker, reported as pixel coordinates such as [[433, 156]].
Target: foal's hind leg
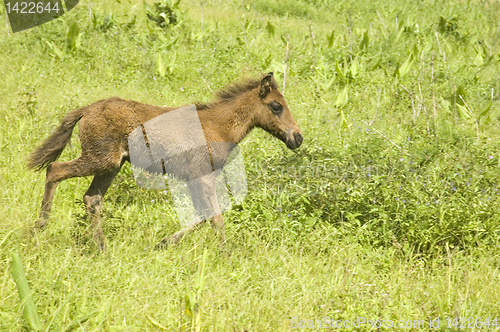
[[57, 172], [93, 200]]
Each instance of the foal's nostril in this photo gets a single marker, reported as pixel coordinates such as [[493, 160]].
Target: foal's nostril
[[298, 139]]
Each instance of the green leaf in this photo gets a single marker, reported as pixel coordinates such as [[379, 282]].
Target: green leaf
[[377, 64], [270, 29], [415, 52], [364, 41], [426, 49], [30, 313], [485, 111], [342, 98], [248, 24], [276, 67], [147, 8], [73, 37], [405, 68], [171, 66], [354, 67], [478, 61], [458, 96], [328, 83], [165, 17], [283, 40], [341, 73], [331, 38], [445, 105], [442, 24], [400, 31], [486, 114], [464, 112], [161, 66], [57, 52], [188, 299]]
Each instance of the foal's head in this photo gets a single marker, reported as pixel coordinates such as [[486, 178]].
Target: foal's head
[[273, 114]]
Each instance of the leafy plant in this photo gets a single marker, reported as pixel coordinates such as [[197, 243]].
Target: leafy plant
[[448, 26], [165, 13], [56, 51], [103, 22]]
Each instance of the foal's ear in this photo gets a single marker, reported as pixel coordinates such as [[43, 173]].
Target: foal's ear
[[265, 85]]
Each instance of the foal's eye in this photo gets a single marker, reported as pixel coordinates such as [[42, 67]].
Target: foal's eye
[[276, 107]]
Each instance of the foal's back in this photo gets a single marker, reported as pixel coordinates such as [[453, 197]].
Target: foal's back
[[105, 126]]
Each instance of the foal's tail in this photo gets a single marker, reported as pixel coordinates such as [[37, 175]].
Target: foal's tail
[[53, 146]]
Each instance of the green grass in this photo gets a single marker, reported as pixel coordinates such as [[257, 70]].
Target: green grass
[[389, 210]]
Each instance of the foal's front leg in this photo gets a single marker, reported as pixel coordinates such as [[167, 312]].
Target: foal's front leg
[[204, 200], [217, 223], [177, 236]]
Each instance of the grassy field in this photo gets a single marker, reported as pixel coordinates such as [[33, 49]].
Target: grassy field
[[388, 211]]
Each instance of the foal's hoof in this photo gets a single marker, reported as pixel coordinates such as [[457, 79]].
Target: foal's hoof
[[167, 241], [40, 224], [161, 246], [102, 247]]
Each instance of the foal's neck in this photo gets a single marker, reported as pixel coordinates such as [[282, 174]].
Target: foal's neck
[[229, 121]]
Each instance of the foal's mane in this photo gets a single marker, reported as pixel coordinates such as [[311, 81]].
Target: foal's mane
[[232, 92]]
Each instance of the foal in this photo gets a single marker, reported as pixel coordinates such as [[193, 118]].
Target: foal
[[105, 126]]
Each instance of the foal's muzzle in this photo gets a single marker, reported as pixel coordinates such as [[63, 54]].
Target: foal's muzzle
[[295, 141]]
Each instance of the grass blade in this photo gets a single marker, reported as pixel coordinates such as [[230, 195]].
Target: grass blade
[[6, 237], [29, 311], [77, 322], [161, 66], [156, 323]]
